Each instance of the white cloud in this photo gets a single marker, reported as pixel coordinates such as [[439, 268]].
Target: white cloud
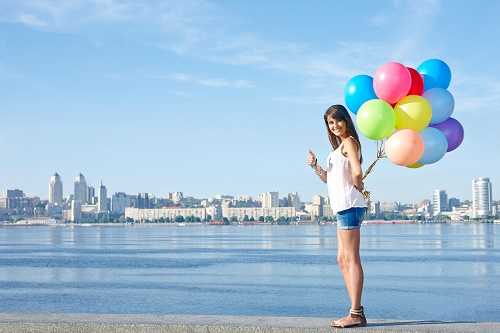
[[212, 82], [31, 20]]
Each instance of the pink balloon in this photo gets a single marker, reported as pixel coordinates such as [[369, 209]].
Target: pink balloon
[[392, 82], [404, 147]]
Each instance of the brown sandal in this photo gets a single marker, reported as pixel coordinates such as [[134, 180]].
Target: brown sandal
[[356, 318]]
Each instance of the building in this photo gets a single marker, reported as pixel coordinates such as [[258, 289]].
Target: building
[[91, 199], [481, 197], [257, 212], [318, 203], [153, 214], [453, 202], [294, 200], [269, 199], [176, 197], [439, 202], [76, 211], [143, 200], [81, 190], [120, 201], [55, 190], [102, 199]]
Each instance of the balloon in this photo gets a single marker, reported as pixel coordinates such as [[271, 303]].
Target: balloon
[[413, 112], [417, 82], [435, 145], [358, 90], [404, 147], [375, 119], [436, 74], [392, 81], [453, 131], [442, 104], [415, 165]]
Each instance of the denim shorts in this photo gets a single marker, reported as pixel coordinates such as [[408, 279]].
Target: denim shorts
[[350, 218]]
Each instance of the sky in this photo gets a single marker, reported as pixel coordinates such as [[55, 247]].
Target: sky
[[226, 97]]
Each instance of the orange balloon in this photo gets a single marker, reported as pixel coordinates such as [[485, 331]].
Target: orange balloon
[[404, 147]]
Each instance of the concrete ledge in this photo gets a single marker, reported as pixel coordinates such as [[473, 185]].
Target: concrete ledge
[[80, 323]]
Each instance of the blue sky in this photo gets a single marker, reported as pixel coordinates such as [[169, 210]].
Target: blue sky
[[227, 97]]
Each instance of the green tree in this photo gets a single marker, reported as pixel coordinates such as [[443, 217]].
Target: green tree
[[261, 219], [245, 218], [179, 218]]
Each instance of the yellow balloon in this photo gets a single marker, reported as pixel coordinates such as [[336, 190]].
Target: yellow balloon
[[415, 165], [413, 112]]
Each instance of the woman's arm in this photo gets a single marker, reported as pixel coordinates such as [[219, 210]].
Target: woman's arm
[[312, 160], [320, 172], [351, 149]]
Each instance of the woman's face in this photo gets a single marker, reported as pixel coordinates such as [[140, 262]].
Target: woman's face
[[337, 127]]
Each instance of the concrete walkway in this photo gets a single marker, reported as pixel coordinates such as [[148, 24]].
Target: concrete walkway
[[79, 323]]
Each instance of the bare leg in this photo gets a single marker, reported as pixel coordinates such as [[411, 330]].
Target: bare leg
[[352, 271]]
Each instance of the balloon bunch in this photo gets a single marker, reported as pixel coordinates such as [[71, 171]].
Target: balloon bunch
[[408, 110]]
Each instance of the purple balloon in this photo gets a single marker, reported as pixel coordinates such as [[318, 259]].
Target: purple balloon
[[453, 131]]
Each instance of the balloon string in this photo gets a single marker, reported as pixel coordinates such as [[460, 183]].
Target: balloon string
[[380, 155]]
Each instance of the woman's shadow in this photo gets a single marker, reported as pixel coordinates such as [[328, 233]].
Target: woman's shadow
[[418, 322]]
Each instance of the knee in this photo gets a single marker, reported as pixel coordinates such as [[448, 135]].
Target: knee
[[348, 260], [341, 262]]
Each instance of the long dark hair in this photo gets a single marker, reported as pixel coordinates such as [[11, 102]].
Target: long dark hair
[[340, 113]]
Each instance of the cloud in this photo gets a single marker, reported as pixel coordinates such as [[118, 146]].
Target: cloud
[[207, 82], [31, 20]]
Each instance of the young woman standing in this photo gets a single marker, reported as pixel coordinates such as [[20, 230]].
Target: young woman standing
[[344, 178]]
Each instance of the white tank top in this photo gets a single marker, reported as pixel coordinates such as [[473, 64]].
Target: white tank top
[[341, 190]]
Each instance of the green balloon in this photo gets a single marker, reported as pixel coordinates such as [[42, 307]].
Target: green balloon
[[376, 119]]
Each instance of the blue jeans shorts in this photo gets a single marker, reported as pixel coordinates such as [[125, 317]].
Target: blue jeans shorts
[[350, 218]]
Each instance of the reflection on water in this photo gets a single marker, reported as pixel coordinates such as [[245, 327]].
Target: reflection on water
[[414, 271]]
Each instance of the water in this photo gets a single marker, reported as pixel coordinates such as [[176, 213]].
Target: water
[[425, 272]]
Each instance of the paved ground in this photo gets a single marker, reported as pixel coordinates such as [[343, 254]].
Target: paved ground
[[79, 323]]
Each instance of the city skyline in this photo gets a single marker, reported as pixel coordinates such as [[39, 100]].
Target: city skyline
[[270, 197], [121, 91]]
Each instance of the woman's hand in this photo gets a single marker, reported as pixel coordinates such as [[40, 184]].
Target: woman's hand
[[311, 158]]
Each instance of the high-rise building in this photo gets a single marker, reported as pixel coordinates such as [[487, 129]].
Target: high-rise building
[[120, 201], [56, 190], [294, 200], [81, 191], [75, 211], [318, 201], [453, 202], [439, 202], [143, 200], [481, 197], [91, 199], [269, 199], [102, 200]]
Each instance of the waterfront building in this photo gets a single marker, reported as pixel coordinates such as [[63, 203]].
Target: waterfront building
[[153, 214], [257, 212], [269, 199], [55, 190], [120, 201], [294, 200], [439, 202], [80, 189], [481, 197], [102, 200]]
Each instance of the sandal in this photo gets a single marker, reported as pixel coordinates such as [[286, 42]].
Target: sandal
[[356, 318]]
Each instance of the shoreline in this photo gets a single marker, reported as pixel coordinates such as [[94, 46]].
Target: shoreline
[[190, 224], [85, 322]]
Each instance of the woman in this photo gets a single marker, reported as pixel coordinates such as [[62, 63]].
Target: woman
[[344, 178]]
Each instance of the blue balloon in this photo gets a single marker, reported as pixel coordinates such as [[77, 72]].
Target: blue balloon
[[358, 90], [436, 74], [442, 104], [435, 145]]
